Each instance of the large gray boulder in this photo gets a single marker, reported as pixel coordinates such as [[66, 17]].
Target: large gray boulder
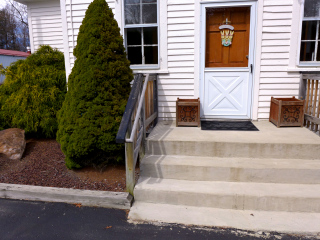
[[12, 143]]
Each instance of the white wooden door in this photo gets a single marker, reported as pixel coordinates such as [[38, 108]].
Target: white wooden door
[[226, 84]]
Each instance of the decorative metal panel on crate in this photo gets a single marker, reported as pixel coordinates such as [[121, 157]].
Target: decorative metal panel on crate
[[188, 112], [286, 112]]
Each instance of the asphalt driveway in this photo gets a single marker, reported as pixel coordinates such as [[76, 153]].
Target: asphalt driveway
[[41, 220]]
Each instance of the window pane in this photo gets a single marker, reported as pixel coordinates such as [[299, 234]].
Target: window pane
[[150, 35], [307, 51], [132, 14], [309, 30], [134, 55], [133, 36], [151, 55], [131, 1], [318, 53], [312, 8], [149, 13], [149, 1]]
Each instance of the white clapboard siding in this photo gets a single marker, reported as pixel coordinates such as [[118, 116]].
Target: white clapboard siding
[[283, 80], [278, 3], [167, 104], [275, 62], [276, 42], [179, 83], [274, 36], [45, 24], [274, 80]]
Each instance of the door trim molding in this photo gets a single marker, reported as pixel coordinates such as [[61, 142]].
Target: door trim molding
[[252, 44]]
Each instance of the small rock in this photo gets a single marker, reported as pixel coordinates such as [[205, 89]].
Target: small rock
[[12, 143]]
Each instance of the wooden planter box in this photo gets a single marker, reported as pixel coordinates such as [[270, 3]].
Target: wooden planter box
[[287, 112], [188, 112]]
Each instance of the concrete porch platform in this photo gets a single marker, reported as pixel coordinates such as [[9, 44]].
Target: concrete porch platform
[[268, 133], [268, 142]]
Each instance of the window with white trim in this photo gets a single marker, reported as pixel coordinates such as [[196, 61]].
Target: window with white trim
[[309, 48], [141, 33]]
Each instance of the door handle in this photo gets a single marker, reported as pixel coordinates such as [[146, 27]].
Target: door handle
[[251, 68]]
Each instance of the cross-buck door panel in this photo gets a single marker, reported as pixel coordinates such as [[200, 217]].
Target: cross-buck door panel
[[226, 93]]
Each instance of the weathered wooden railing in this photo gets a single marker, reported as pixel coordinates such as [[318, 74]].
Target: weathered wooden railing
[[140, 115], [310, 91]]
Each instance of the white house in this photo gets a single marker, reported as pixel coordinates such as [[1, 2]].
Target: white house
[[274, 43]]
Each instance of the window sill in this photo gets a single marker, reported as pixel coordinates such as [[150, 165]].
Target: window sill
[[158, 71]]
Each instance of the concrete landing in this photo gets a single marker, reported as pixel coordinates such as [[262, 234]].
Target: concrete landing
[[269, 142], [268, 133]]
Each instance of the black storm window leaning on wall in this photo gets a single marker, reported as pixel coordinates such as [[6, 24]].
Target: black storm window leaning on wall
[[141, 32], [309, 49]]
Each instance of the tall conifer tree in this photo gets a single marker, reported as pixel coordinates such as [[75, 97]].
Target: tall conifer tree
[[98, 89]]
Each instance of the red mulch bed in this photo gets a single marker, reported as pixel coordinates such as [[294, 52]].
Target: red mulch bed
[[43, 165]]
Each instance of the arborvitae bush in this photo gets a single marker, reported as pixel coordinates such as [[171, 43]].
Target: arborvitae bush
[[33, 91], [98, 89]]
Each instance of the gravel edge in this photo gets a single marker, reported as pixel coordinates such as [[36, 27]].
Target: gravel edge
[[107, 199]]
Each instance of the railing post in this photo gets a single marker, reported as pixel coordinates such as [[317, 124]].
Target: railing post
[[302, 89], [155, 99], [143, 122], [130, 168]]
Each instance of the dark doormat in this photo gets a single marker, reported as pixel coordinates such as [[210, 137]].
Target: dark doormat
[[228, 126]]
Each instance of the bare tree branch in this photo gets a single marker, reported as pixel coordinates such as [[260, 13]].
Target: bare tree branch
[[19, 10], [14, 32]]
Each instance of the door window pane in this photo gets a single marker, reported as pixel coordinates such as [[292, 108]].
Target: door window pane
[[234, 55]]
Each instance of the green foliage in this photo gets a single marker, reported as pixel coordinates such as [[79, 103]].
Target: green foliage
[[98, 89], [33, 92]]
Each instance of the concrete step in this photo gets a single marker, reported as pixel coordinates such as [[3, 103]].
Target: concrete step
[[197, 168], [233, 149], [290, 222], [230, 195]]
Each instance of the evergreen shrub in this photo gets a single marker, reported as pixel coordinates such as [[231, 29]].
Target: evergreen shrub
[[98, 89], [32, 93]]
